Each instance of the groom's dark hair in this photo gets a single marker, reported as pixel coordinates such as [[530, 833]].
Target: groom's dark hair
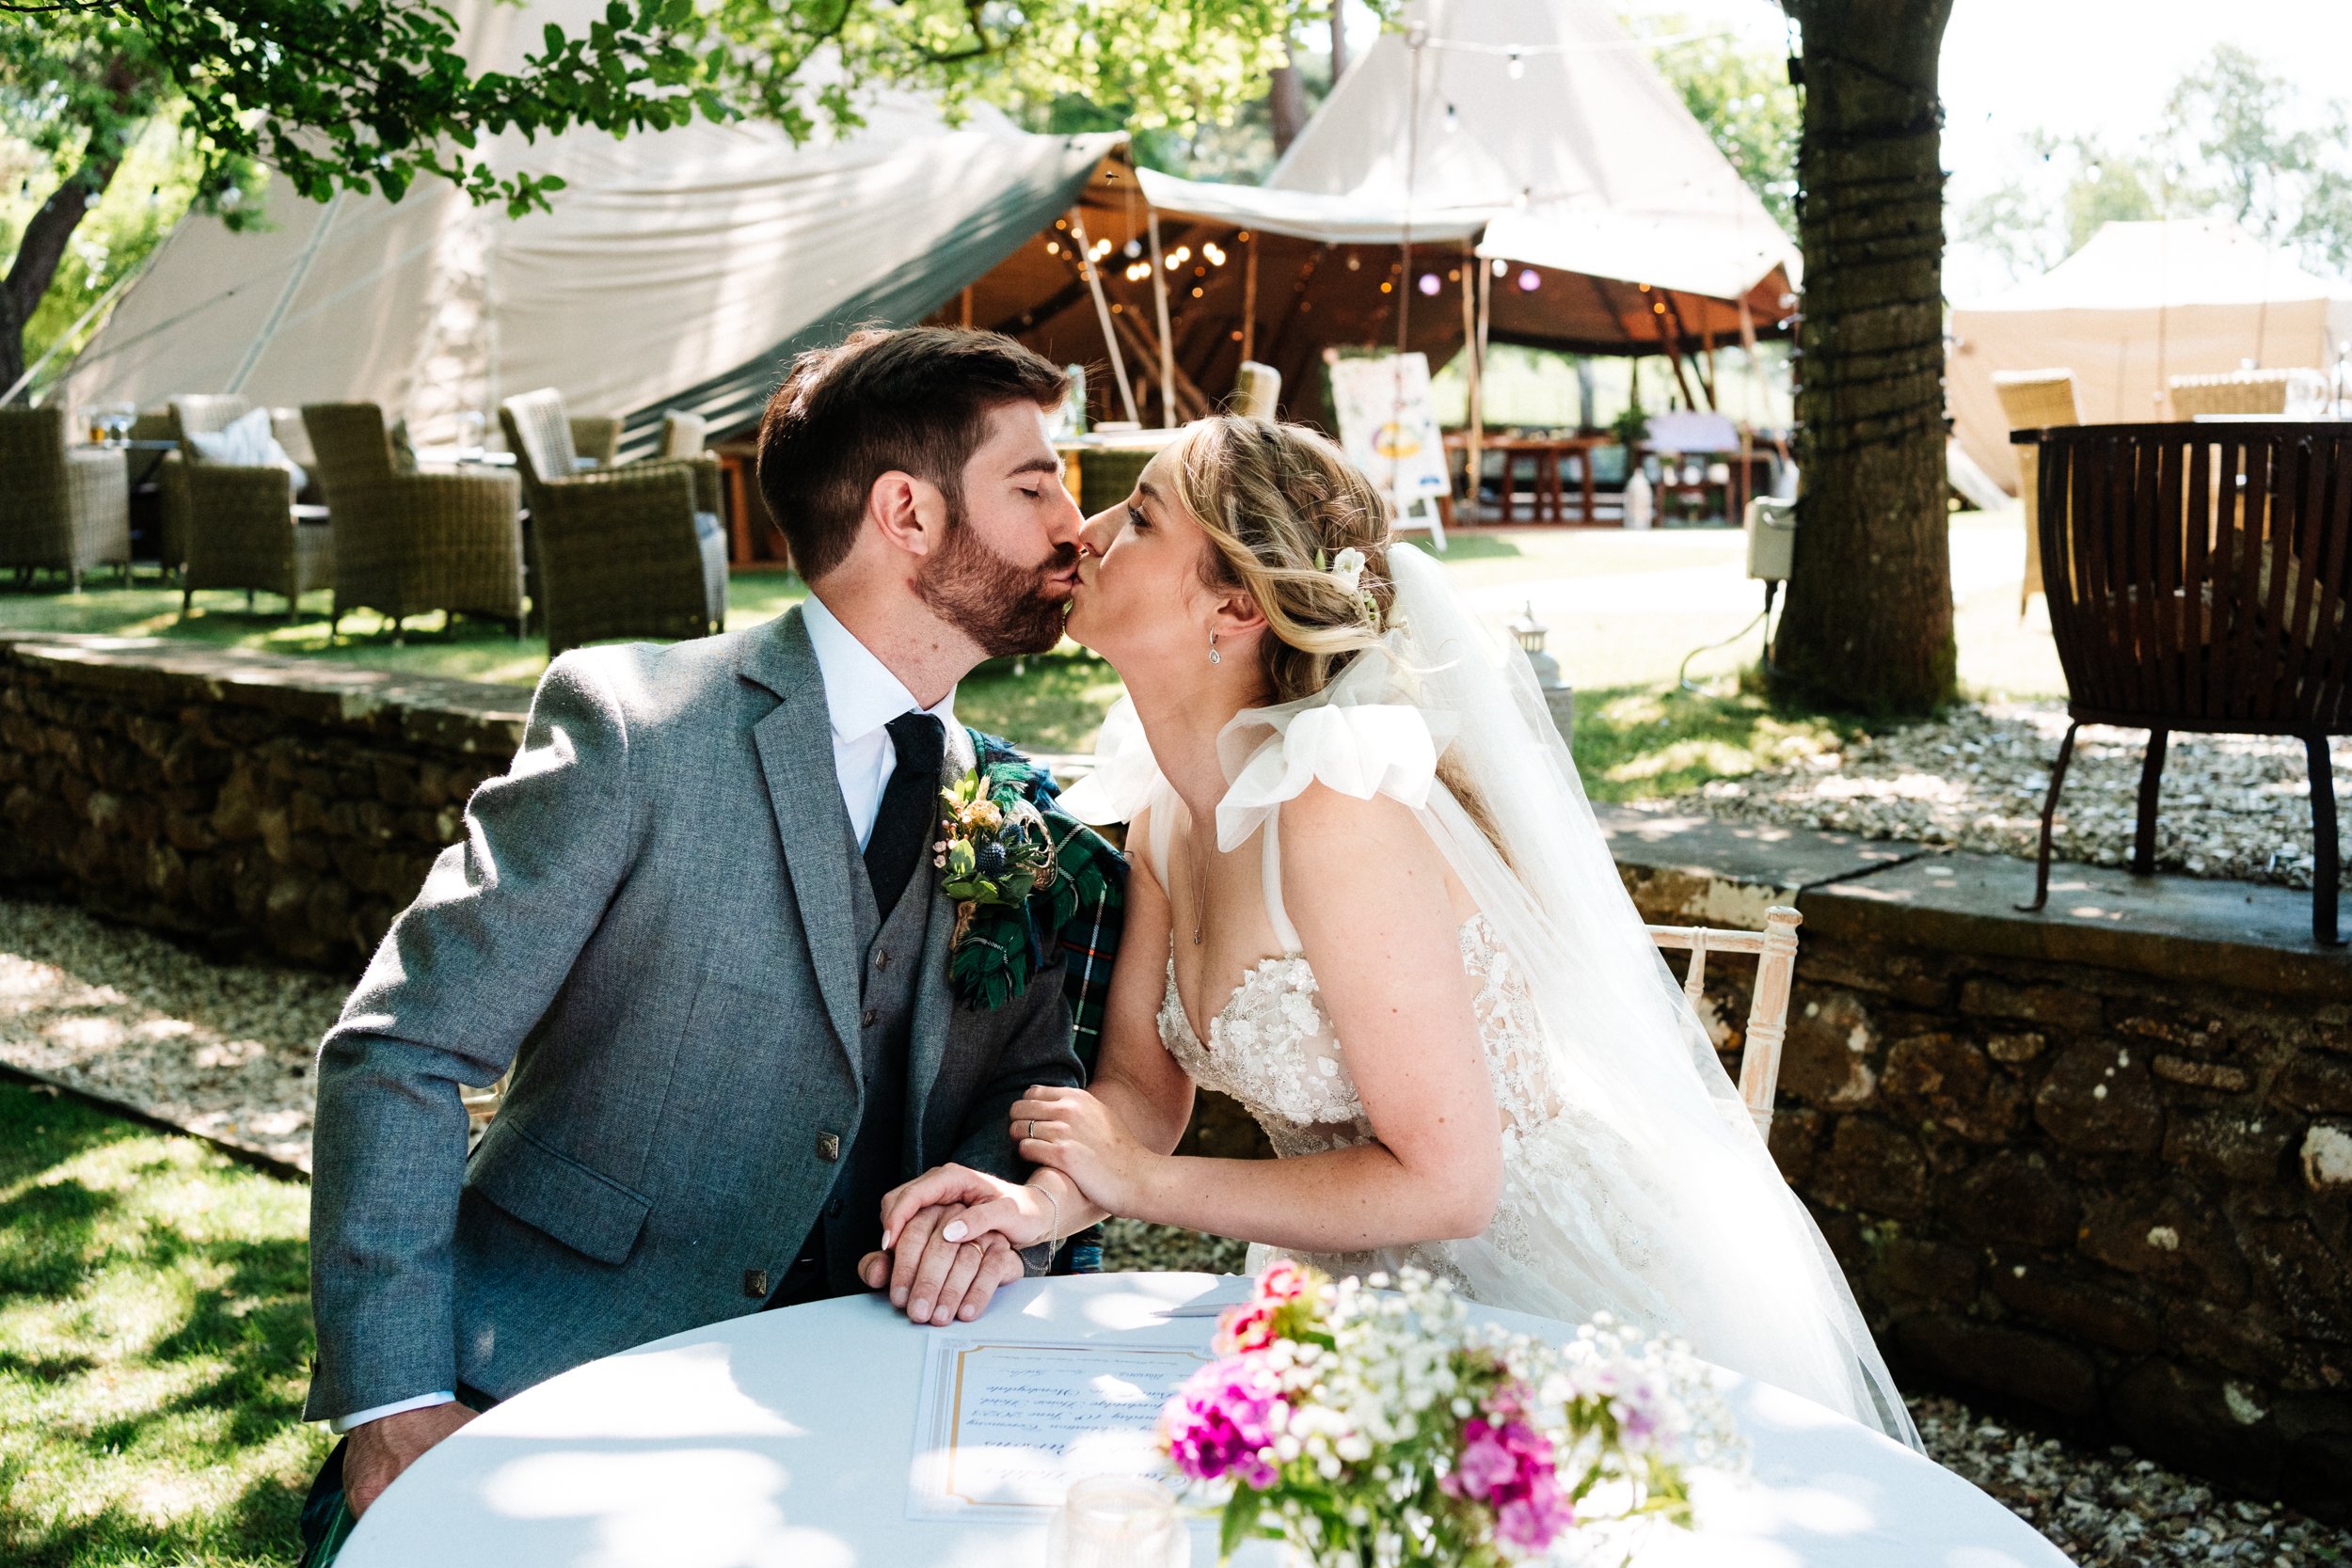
[[916, 400]]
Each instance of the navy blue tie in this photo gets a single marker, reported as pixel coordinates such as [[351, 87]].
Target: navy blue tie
[[906, 823]]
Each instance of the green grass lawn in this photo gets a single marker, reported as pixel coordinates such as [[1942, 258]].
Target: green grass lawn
[[154, 1346]]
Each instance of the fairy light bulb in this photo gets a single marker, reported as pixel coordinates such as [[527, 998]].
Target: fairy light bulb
[[1517, 66], [1453, 120]]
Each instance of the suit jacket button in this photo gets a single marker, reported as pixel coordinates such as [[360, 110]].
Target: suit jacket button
[[881, 960], [872, 1016], [756, 1284], [829, 1146]]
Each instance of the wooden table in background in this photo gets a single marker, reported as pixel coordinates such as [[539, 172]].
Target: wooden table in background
[[1548, 452], [753, 538]]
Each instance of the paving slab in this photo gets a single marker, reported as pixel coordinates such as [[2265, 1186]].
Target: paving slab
[[1683, 867], [2250, 935]]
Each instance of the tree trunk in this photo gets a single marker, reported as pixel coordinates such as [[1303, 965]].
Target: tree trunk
[[41, 248], [1339, 41], [1286, 96], [1869, 624]]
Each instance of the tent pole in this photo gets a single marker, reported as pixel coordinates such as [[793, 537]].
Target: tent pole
[[967, 308], [1755, 370], [1474, 342], [285, 295], [1103, 313], [1159, 308], [1715, 369], [1249, 301]]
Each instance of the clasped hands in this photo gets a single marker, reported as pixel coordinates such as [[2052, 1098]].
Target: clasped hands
[[950, 1236]]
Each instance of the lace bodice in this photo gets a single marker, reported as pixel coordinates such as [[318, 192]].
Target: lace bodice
[[1273, 1048]]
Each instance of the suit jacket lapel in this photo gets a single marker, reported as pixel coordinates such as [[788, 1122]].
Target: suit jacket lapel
[[934, 1002], [795, 747]]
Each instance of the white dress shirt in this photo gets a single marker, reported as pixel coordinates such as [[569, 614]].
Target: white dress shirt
[[862, 696]]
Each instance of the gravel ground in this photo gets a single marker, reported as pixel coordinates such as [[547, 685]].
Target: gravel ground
[[2234, 806], [225, 1052]]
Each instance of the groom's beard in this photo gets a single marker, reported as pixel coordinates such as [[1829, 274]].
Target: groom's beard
[[1004, 607]]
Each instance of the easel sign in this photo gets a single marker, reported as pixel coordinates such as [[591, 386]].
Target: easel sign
[[1388, 429]]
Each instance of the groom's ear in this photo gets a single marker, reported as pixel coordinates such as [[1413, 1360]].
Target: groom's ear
[[910, 513]]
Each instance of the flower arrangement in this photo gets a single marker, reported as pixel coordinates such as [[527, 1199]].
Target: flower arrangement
[[1369, 1426]]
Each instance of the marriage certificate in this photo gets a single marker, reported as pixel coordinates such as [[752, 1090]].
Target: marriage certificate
[[1002, 1430]]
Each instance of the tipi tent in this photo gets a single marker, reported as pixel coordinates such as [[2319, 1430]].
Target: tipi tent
[[1546, 113], [678, 269], [1526, 149], [2140, 304]]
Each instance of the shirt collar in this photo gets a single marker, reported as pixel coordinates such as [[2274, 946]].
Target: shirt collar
[[861, 693]]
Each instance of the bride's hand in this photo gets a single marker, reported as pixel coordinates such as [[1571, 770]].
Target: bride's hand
[[1023, 1215], [1073, 1132]]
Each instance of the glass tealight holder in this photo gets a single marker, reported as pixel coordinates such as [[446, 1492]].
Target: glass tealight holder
[[1117, 1522]]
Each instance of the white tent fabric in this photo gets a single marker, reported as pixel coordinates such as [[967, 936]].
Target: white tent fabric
[[1345, 219], [1548, 113], [678, 269], [2140, 304]]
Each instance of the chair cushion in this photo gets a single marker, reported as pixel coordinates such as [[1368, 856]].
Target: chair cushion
[[247, 442]]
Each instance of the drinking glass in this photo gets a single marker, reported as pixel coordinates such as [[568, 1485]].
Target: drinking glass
[[1117, 1522]]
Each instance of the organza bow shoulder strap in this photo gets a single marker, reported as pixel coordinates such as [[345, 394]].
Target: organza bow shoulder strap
[[1359, 749], [1127, 779]]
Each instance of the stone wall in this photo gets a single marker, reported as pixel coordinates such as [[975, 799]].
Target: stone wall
[[2095, 1163], [255, 804]]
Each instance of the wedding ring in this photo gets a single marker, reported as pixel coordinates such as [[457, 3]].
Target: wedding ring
[[1031, 1136]]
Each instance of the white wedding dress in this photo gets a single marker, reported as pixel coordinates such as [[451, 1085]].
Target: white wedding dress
[[1634, 1182]]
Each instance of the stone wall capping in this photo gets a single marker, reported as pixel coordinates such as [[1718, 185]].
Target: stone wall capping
[[1686, 868], [2177, 928], [475, 717]]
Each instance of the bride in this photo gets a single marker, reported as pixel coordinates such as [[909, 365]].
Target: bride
[[1394, 932]]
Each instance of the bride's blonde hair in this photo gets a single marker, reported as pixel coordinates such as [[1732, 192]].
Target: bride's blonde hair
[[1278, 503]]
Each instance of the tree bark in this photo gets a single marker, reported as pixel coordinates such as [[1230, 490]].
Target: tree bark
[[41, 248], [1286, 96], [1869, 624], [1339, 41]]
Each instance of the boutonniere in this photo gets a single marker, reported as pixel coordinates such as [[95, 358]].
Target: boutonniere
[[994, 852]]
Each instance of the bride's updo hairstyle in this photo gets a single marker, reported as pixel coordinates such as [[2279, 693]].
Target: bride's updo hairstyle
[[1276, 500]]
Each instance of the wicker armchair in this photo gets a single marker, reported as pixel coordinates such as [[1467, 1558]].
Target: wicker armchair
[[684, 434], [2033, 400], [632, 551], [411, 541], [2244, 392], [62, 508], [596, 441], [234, 526]]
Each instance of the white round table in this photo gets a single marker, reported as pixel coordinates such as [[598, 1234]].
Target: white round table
[[786, 1440]]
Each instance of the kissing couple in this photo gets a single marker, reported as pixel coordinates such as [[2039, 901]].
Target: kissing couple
[[704, 923]]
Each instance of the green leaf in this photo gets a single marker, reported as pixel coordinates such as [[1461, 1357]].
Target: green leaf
[[1240, 1517]]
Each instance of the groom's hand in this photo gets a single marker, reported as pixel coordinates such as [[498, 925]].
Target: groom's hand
[[377, 1452], [938, 1281]]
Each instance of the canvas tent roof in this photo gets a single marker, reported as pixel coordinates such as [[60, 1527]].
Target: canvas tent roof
[[1612, 222], [1549, 114], [679, 268], [2139, 304]]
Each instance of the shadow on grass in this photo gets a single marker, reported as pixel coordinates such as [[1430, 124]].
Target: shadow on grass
[[1648, 742], [154, 1337]]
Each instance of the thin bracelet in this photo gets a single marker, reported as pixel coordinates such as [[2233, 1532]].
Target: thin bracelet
[[1052, 1237]]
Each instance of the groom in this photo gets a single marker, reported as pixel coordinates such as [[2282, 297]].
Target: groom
[[697, 917]]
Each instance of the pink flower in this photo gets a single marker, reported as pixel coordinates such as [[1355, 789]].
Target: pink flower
[[1221, 1422], [1250, 1325], [1508, 1466]]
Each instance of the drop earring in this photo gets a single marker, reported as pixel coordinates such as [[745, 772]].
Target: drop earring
[[1214, 658]]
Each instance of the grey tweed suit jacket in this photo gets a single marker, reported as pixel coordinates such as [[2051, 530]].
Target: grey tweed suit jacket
[[650, 919]]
